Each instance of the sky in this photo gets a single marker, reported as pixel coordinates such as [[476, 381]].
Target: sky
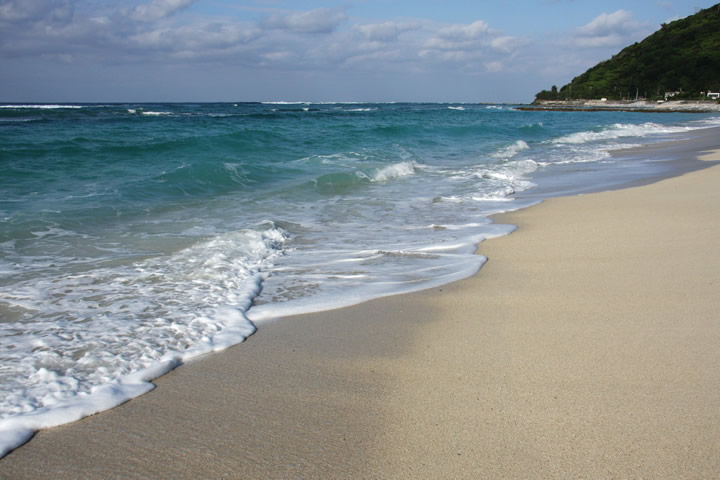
[[312, 50]]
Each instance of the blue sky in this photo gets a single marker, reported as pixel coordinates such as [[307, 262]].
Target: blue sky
[[311, 50]]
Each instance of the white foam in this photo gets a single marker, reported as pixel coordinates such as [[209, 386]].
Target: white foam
[[236, 171], [511, 150], [394, 171], [42, 107], [452, 267], [450, 198], [505, 179], [286, 103], [619, 130], [102, 335], [583, 154], [595, 145], [707, 122]]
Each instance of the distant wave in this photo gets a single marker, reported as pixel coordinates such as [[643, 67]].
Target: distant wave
[[286, 103], [41, 107], [157, 114], [619, 130]]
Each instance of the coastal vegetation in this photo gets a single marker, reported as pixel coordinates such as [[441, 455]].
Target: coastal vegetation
[[680, 61]]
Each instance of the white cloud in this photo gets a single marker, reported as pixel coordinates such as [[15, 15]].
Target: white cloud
[[17, 11], [609, 29], [111, 34], [507, 43], [277, 56], [477, 29], [620, 20], [159, 33], [319, 20], [195, 38], [107, 32], [158, 9], [494, 67], [469, 44], [384, 32]]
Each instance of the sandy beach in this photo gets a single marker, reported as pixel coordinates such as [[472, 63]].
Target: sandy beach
[[587, 347]]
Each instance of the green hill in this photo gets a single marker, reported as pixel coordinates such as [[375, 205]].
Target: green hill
[[683, 56]]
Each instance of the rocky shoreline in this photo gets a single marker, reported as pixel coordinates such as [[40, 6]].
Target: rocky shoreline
[[629, 106]]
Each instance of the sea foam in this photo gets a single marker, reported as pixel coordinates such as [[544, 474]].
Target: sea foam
[[391, 172], [619, 130], [117, 329], [42, 107]]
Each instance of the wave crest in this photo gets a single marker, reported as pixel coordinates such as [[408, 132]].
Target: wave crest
[[511, 150], [618, 130], [394, 171]]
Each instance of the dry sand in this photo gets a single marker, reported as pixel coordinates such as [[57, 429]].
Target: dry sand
[[587, 347]]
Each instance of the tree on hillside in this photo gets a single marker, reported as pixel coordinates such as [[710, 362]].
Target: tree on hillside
[[683, 56]]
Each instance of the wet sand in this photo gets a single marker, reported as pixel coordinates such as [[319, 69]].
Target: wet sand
[[587, 347]]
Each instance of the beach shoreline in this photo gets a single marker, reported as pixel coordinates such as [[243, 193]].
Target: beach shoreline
[[586, 346]]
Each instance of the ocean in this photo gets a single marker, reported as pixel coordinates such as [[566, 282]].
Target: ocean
[[134, 237]]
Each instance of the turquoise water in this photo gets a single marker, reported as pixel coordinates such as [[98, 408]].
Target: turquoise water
[[135, 236]]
